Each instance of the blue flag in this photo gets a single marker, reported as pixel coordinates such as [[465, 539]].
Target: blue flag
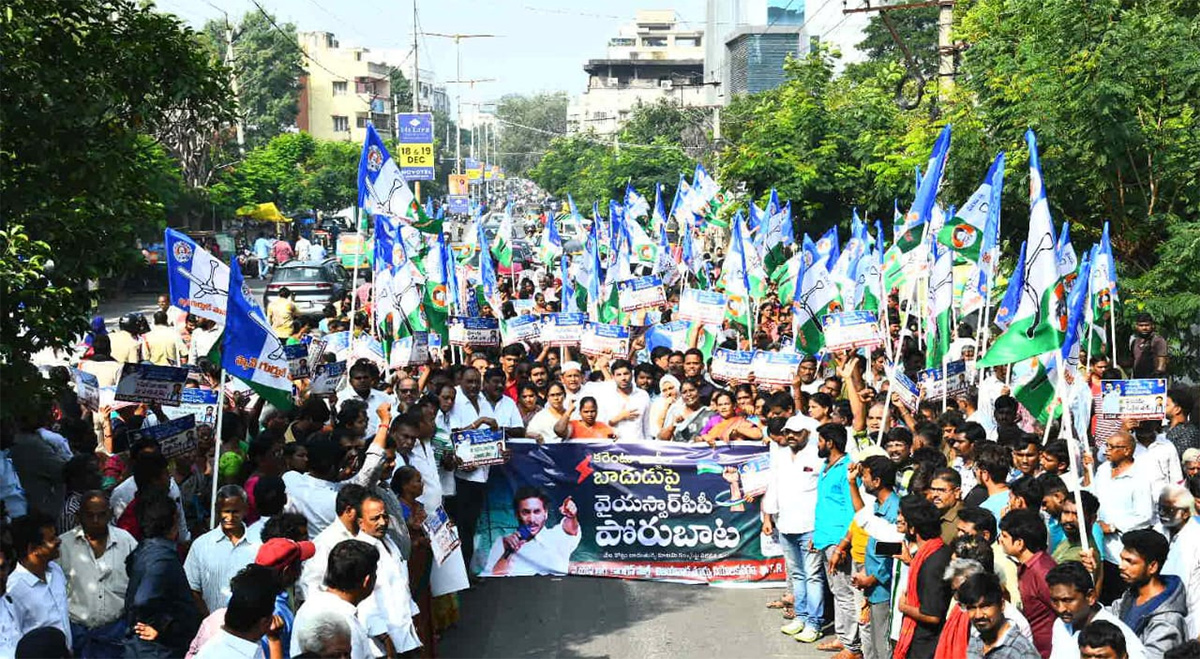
[[1077, 302], [1012, 295], [198, 281], [921, 211], [250, 349]]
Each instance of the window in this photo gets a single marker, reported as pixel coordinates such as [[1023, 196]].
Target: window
[[339, 87], [361, 121], [341, 124], [689, 42], [654, 42], [622, 41]]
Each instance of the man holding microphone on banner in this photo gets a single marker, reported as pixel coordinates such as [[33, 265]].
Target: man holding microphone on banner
[[534, 549]]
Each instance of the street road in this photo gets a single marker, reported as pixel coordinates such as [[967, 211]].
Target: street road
[[591, 617]]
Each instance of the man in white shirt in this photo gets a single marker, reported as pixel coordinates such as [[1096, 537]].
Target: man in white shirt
[[93, 559], [1073, 597], [572, 379], [789, 506], [303, 248], [1126, 504], [349, 579], [533, 548], [344, 527], [1157, 458], [248, 618], [485, 402], [216, 556], [37, 588], [623, 406], [389, 610], [363, 377], [313, 494], [1177, 513]]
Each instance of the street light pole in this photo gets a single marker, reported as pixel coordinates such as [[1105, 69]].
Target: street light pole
[[457, 37]]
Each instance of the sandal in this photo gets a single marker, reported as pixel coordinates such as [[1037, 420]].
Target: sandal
[[780, 603], [789, 611], [832, 645]]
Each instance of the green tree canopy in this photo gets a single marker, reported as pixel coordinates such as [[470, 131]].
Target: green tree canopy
[[85, 83], [528, 124]]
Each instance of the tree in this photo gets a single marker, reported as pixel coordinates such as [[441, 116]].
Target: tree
[[916, 28], [268, 64], [296, 172], [528, 124], [401, 88], [84, 85]]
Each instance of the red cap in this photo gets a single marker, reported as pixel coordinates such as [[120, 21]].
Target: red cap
[[282, 553]]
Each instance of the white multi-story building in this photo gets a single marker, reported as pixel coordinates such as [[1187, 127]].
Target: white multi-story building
[[350, 87], [650, 59]]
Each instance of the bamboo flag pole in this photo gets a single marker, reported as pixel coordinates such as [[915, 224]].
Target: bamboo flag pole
[[212, 519]]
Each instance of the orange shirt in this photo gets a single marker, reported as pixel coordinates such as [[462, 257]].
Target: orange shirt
[[580, 430]]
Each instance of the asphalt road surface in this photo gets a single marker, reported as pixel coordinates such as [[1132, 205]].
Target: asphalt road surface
[[593, 617]]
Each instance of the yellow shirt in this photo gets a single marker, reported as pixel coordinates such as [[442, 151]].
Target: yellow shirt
[[281, 313]]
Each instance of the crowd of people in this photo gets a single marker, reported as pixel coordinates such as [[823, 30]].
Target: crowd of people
[[960, 528]]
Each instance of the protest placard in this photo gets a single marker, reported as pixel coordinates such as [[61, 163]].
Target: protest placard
[[777, 368], [521, 328], [411, 350], [706, 307], [200, 403], [1133, 399], [443, 534], [598, 339], [338, 343], [523, 307], [327, 378], [851, 330], [731, 364], [562, 329], [905, 391], [175, 437], [480, 447], [148, 383], [297, 358], [755, 475], [934, 386], [640, 293], [316, 349], [368, 347], [87, 388], [471, 331]]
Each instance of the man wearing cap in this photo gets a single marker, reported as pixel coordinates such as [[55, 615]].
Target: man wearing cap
[[572, 379], [285, 557], [789, 505]]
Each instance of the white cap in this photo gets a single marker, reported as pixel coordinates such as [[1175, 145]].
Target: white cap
[[571, 366], [800, 423]]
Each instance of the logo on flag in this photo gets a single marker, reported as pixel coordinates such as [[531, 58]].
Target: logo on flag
[[964, 236], [374, 158], [183, 252]]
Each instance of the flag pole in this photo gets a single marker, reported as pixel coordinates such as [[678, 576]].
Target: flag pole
[[212, 518], [946, 388], [1112, 317], [1067, 428], [354, 281]]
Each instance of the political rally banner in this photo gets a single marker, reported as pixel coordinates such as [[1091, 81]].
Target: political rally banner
[[471, 331], [327, 378], [658, 511], [851, 330], [200, 403], [522, 328], [411, 350], [562, 329], [934, 385], [523, 307], [175, 437], [443, 534], [598, 339], [777, 368], [905, 391], [731, 364], [87, 388], [755, 475], [1133, 399], [479, 448], [705, 307], [148, 383], [640, 293], [297, 359]]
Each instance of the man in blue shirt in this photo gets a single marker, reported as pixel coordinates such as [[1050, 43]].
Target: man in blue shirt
[[875, 579], [262, 254], [834, 514]]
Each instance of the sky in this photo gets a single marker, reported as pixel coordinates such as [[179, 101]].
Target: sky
[[540, 45]]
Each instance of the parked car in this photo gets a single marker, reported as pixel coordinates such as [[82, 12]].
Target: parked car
[[314, 284]]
